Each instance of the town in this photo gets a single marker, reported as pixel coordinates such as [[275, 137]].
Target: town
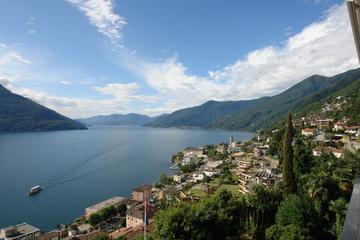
[[198, 172]]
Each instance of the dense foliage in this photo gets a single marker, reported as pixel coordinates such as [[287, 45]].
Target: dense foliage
[[316, 210], [287, 160]]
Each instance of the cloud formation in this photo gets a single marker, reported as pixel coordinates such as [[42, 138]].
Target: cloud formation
[[324, 47], [265, 71], [101, 14]]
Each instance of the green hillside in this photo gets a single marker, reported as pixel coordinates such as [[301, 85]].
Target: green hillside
[[19, 114], [260, 113]]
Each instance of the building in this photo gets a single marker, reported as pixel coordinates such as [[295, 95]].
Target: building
[[141, 193], [339, 126], [132, 233], [135, 215], [107, 203], [179, 178], [328, 150], [213, 165], [55, 234], [308, 131], [22, 231], [199, 152], [353, 130], [198, 176]]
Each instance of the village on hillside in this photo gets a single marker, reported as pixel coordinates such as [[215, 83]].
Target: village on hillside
[[237, 166]]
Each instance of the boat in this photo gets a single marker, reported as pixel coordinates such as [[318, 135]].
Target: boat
[[35, 190]]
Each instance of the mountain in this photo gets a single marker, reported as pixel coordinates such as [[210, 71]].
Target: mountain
[[19, 114], [117, 119], [259, 113], [203, 115]]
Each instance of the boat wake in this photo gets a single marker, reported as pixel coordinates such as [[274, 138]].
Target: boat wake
[[84, 168]]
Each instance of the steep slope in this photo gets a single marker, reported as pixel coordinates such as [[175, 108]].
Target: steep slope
[[19, 114], [259, 113], [310, 90], [203, 115], [117, 119]]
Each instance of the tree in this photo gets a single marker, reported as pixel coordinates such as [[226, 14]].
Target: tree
[[289, 232], [165, 180], [339, 207], [287, 162], [303, 159], [297, 211], [121, 209], [217, 217], [95, 219], [107, 212], [101, 237]]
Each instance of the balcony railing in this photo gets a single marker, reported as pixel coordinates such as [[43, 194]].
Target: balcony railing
[[351, 229]]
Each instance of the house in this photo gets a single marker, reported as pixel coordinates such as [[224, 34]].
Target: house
[[328, 150], [213, 165], [237, 155], [222, 148], [135, 215], [265, 178], [132, 233], [308, 131], [179, 178], [199, 152], [210, 173], [141, 193], [322, 123], [189, 158], [89, 236], [340, 125], [244, 165], [107, 203], [22, 231], [199, 176], [353, 130], [55, 234]]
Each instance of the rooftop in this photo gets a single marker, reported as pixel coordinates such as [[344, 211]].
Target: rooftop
[[142, 188], [110, 202], [18, 230]]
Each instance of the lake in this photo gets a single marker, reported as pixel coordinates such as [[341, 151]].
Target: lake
[[81, 168]]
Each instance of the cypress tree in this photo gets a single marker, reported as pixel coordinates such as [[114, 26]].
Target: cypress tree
[[287, 161]]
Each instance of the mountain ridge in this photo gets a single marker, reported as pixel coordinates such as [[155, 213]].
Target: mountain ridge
[[117, 119], [262, 112], [20, 114]]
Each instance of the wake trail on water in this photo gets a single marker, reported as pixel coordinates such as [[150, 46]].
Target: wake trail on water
[[74, 174]]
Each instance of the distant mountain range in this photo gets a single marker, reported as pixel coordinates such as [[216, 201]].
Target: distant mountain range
[[118, 119], [19, 114], [263, 112]]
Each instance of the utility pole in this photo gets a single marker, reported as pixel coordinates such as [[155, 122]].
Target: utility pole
[[353, 7]]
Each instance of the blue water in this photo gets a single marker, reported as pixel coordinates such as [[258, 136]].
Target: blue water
[[80, 168]]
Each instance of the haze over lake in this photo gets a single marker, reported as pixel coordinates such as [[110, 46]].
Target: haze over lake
[[80, 168]]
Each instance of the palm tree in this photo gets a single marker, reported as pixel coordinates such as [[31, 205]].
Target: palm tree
[[339, 207], [316, 187]]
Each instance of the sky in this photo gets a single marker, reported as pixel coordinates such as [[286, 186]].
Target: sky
[[90, 57]]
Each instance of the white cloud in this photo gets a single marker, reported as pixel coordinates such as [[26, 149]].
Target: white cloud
[[65, 82], [126, 92], [325, 47], [12, 57], [72, 106], [101, 14]]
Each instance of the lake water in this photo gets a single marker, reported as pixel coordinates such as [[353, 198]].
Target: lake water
[[81, 168]]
